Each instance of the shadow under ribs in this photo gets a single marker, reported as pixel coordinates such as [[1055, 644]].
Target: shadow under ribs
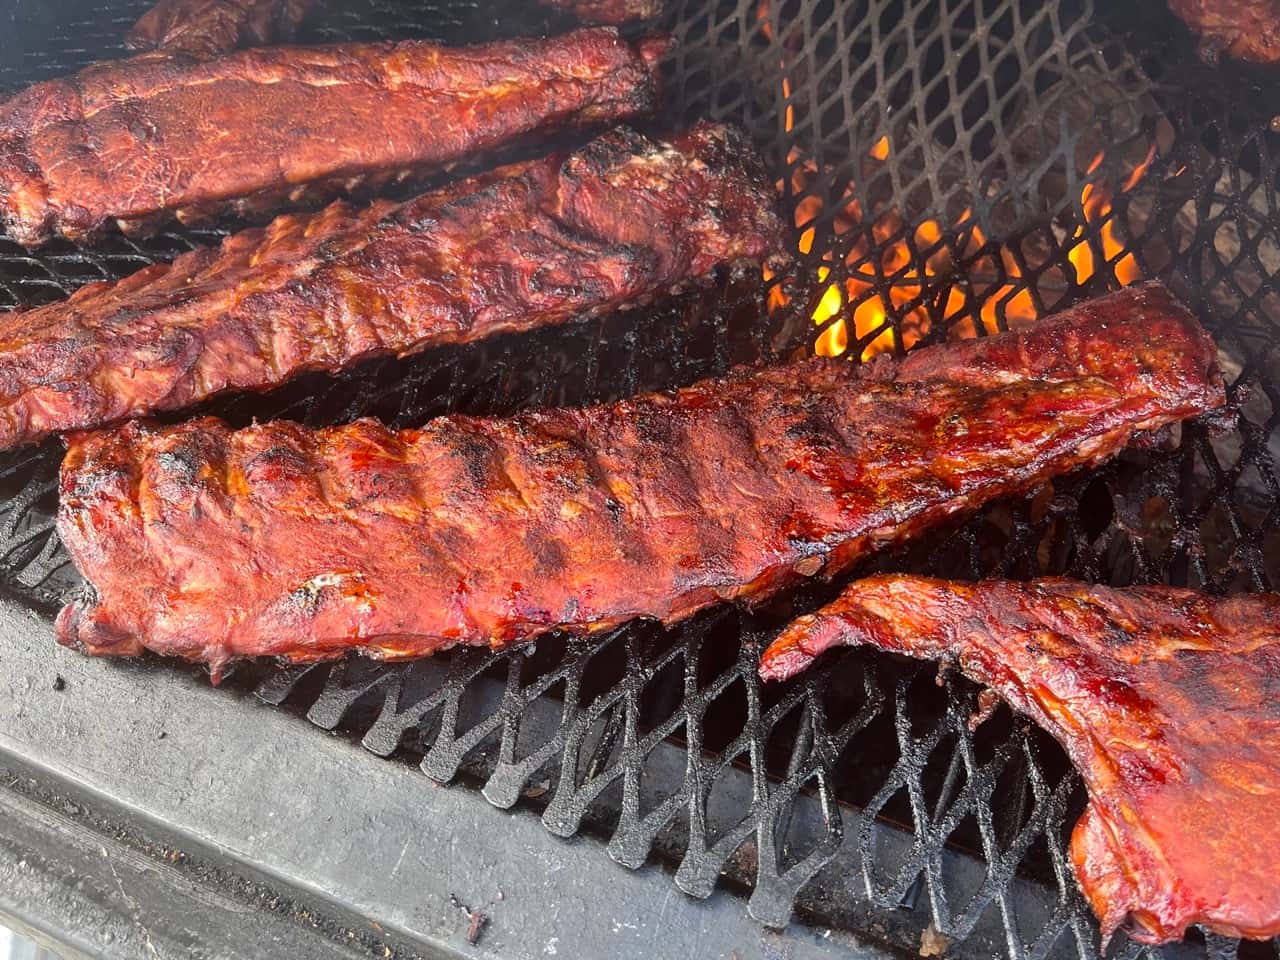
[[278, 540]]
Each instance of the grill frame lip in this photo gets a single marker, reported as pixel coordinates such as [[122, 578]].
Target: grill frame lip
[[766, 905]]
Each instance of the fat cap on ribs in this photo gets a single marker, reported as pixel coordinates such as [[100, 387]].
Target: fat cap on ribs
[[1167, 701]]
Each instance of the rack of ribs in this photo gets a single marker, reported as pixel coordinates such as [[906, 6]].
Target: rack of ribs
[[277, 540], [139, 141], [1244, 29], [206, 28], [608, 11], [618, 221], [1166, 700]]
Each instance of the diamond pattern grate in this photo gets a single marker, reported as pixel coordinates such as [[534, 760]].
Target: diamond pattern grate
[[938, 160]]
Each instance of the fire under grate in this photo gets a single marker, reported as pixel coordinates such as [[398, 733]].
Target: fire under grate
[[951, 167]]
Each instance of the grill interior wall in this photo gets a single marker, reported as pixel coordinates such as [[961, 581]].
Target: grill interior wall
[[857, 794]]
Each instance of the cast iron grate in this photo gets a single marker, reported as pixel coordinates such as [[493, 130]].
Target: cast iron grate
[[952, 167]]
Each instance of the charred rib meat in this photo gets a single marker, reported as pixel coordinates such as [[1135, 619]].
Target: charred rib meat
[[608, 11], [142, 140], [277, 540], [206, 28], [1244, 29], [622, 219], [1167, 700]]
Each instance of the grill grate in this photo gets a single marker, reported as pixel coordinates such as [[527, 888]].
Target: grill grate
[[856, 795]]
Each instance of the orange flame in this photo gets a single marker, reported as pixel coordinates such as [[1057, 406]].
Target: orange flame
[[766, 29], [1096, 201], [762, 17], [889, 266]]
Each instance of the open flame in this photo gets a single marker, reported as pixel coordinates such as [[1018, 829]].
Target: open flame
[[1096, 200], [888, 254], [892, 266]]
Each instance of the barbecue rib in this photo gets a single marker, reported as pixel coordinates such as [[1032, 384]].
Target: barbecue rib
[[1244, 29], [1168, 701], [608, 11], [206, 28], [277, 540], [620, 220], [141, 140]]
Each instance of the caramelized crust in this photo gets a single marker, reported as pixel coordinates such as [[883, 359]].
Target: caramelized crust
[[1167, 700], [608, 11], [1244, 29], [210, 543], [139, 141], [618, 221], [206, 28]]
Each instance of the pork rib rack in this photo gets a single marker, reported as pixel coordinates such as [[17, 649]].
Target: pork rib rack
[[139, 141], [622, 219], [206, 28], [1245, 29], [608, 11], [277, 540], [1168, 702]]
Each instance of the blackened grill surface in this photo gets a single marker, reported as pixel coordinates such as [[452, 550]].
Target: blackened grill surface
[[621, 220], [856, 798]]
